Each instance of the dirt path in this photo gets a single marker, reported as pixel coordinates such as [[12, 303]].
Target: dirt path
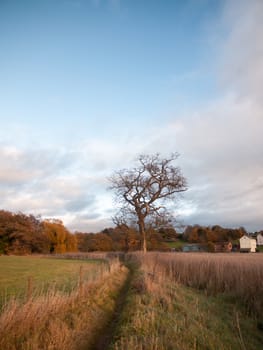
[[107, 333]]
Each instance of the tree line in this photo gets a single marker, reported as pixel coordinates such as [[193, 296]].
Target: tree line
[[214, 234], [29, 234]]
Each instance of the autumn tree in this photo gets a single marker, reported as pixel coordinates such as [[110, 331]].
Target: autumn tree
[[144, 189], [21, 234], [124, 238], [61, 240], [216, 233]]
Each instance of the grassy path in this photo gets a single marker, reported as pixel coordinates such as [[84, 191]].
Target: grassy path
[[106, 336]]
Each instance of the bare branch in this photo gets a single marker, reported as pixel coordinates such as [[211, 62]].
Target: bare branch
[[146, 186]]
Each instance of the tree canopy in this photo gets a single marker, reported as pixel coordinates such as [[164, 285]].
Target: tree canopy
[[144, 189]]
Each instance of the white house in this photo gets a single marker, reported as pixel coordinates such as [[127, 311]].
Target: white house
[[260, 239], [247, 244]]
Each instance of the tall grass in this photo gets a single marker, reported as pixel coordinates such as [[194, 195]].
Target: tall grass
[[237, 275], [162, 313], [55, 319]]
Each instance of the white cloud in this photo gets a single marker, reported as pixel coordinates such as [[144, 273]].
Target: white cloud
[[221, 155], [69, 185], [87, 223], [221, 144], [241, 59]]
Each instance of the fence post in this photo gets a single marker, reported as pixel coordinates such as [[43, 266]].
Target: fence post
[[29, 288], [81, 280]]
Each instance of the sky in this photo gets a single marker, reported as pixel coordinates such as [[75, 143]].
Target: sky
[[88, 85]]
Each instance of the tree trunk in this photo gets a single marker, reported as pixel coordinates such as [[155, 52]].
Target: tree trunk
[[142, 234], [144, 242]]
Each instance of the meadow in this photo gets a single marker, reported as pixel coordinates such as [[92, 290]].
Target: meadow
[[194, 301], [163, 301], [70, 300], [19, 273]]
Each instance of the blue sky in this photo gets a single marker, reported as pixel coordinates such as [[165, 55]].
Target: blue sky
[[86, 86], [83, 63]]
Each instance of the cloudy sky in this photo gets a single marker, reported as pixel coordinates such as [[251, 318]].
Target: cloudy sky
[[87, 85]]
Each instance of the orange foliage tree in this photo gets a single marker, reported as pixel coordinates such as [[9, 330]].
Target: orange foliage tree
[[61, 240]]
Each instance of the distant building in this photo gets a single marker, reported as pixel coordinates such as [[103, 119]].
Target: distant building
[[247, 244], [194, 247], [223, 247], [259, 239]]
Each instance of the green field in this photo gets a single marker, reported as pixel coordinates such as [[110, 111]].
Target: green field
[[178, 245], [15, 272]]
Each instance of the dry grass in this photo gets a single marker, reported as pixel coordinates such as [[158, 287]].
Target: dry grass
[[164, 314], [237, 275], [64, 321], [176, 301]]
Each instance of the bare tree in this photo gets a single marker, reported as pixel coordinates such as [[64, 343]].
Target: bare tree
[[144, 189]]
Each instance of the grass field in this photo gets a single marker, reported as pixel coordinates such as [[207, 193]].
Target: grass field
[[176, 245], [70, 315], [166, 315], [15, 272], [159, 301]]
